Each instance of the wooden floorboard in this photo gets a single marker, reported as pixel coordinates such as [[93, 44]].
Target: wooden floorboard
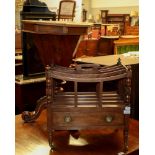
[[32, 139]]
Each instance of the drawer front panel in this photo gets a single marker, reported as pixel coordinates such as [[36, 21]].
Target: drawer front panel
[[74, 119]]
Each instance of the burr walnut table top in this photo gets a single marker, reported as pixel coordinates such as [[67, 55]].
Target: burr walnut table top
[[32, 139]]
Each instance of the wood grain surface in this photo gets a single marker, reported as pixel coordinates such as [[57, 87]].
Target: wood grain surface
[[110, 59], [32, 139]]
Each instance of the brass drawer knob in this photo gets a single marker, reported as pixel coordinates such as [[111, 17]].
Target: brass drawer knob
[[67, 119], [109, 119]]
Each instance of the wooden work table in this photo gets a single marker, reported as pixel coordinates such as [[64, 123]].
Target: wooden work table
[[50, 42], [32, 139]]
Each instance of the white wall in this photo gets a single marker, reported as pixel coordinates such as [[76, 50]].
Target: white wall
[[51, 2], [94, 7], [87, 4], [114, 6], [54, 5], [114, 3], [78, 10]]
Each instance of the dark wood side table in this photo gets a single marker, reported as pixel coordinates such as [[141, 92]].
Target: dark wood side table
[[87, 47], [56, 41], [106, 45]]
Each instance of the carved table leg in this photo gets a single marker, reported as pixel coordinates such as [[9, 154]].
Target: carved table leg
[[32, 116], [126, 134], [127, 110], [51, 140]]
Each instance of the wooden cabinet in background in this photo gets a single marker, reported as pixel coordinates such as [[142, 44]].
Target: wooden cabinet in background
[[132, 30], [87, 47], [104, 14], [121, 19], [97, 47], [124, 45], [106, 45]]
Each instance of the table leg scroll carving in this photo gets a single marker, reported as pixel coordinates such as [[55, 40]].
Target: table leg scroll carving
[[32, 116]]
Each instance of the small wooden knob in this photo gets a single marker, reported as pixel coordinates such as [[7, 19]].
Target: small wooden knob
[[67, 119], [109, 118]]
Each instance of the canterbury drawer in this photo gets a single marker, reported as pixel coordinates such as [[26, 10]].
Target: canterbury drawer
[[79, 119]]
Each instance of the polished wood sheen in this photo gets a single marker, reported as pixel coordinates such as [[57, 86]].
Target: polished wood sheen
[[56, 41], [32, 139], [125, 60], [124, 42], [76, 110], [106, 45]]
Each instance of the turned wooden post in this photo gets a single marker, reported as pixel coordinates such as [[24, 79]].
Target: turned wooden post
[[127, 110], [49, 96]]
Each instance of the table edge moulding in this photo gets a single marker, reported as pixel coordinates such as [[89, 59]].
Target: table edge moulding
[[55, 27]]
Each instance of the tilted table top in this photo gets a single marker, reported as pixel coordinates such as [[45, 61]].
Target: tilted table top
[[110, 59], [55, 27]]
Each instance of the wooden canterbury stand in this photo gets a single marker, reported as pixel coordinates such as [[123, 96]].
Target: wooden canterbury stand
[[88, 110]]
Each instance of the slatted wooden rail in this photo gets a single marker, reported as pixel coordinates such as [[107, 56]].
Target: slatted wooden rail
[[88, 110]]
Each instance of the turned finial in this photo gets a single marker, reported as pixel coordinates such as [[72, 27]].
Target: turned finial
[[119, 61]]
